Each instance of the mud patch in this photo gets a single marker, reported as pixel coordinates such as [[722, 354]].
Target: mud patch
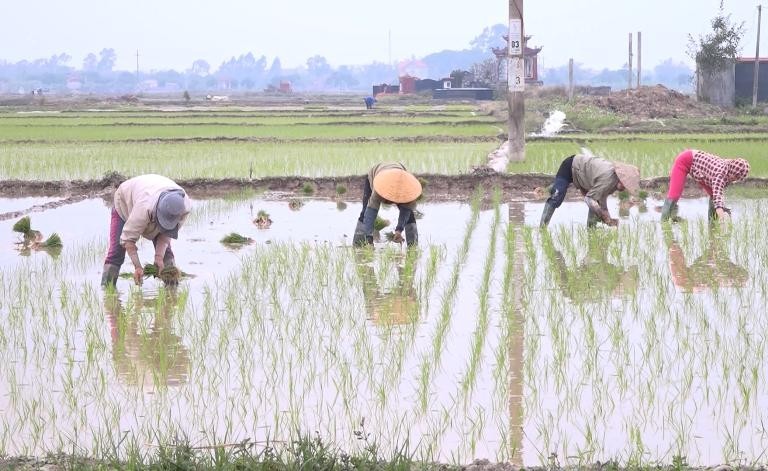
[[519, 187]]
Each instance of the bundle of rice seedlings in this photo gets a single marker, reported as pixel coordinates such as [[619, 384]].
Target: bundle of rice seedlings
[[380, 223], [262, 220], [235, 238], [295, 204], [23, 225], [170, 275], [54, 241], [150, 269]]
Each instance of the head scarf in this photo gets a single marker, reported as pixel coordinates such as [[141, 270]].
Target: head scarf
[[737, 170]]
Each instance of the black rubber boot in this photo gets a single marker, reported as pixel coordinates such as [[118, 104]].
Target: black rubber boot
[[109, 275], [546, 215], [359, 238], [669, 210], [593, 218], [412, 235]]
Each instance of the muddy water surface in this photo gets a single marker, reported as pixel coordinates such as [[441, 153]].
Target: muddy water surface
[[636, 345]]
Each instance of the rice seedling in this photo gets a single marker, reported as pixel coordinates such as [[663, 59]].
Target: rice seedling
[[262, 220], [235, 238], [341, 189], [295, 204], [308, 189]]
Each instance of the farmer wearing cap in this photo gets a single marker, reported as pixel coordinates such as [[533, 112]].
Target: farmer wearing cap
[[596, 178], [151, 206], [711, 172], [389, 183]]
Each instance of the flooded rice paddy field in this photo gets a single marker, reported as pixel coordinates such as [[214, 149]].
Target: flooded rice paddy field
[[494, 340]]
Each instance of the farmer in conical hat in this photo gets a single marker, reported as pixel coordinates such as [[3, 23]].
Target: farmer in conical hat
[[151, 206], [596, 178], [389, 183], [711, 172]]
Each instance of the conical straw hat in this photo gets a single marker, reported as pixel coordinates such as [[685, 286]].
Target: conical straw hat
[[397, 185], [629, 176]]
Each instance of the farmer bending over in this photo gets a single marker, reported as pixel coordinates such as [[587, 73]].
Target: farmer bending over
[[389, 183], [596, 178], [711, 172], [369, 101], [152, 206]]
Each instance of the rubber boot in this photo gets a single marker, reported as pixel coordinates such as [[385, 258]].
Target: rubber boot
[[546, 215], [668, 210], [593, 218], [412, 235], [359, 237], [109, 275]]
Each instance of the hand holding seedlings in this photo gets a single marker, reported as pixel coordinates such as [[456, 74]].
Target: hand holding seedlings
[[397, 236], [723, 215], [138, 274]]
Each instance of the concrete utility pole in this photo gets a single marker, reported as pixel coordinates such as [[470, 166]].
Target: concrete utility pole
[[570, 79], [629, 64], [757, 58], [137, 67], [639, 57], [516, 82]]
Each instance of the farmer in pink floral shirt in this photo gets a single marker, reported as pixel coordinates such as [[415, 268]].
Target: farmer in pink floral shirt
[[711, 172]]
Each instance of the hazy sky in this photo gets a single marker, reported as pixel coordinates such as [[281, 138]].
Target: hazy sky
[[173, 33]]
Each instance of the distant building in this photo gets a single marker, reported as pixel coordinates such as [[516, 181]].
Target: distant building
[[463, 94], [385, 89], [745, 74], [444, 89], [408, 84], [530, 62]]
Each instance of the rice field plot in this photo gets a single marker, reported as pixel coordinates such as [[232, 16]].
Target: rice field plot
[[224, 159], [495, 340], [290, 131], [318, 124], [252, 143]]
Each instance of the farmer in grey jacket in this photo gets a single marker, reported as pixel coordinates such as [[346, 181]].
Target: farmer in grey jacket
[[596, 178], [149, 206], [389, 183]]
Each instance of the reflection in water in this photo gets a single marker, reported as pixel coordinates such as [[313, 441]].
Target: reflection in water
[[145, 350], [397, 306], [712, 269], [516, 337], [595, 278]]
